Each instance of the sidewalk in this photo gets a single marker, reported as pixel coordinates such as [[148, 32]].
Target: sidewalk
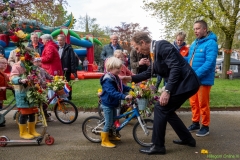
[[223, 142]]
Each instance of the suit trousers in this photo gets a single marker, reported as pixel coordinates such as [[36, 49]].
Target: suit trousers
[[164, 114]]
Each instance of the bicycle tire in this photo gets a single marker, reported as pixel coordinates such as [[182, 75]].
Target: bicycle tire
[[66, 114], [100, 111], [140, 137], [87, 128], [16, 116]]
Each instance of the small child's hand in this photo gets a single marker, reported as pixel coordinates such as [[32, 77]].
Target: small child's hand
[[128, 97], [24, 81], [3, 88]]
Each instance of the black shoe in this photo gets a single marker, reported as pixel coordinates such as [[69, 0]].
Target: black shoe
[[191, 142], [153, 150], [2, 125]]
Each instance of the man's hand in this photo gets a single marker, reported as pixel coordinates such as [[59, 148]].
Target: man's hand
[[126, 78], [142, 61], [164, 98], [147, 62]]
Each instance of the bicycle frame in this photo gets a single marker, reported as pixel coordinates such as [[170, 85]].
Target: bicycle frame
[[7, 110], [54, 96], [134, 113]]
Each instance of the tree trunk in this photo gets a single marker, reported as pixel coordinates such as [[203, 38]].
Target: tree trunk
[[227, 56]]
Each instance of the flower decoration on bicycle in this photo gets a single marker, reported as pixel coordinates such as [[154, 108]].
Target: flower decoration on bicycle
[[60, 85], [144, 89], [144, 92]]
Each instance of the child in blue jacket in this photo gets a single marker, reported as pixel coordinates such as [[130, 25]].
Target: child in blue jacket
[[112, 93]]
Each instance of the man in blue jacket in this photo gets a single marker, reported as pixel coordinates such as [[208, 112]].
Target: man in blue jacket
[[202, 57], [109, 49]]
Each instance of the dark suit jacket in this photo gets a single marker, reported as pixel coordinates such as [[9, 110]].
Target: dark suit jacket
[[68, 59], [169, 64]]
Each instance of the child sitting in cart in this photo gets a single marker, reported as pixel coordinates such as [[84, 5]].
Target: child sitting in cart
[[112, 93], [27, 110], [43, 77]]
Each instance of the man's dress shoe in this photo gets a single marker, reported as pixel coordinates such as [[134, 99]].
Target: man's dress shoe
[[153, 150], [191, 142]]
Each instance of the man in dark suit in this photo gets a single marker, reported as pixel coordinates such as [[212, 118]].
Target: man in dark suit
[[68, 59], [181, 83]]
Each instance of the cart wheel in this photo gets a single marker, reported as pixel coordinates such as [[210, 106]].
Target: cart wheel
[[3, 144], [49, 140]]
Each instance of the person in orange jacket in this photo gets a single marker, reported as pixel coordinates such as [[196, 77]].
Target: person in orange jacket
[[180, 44]]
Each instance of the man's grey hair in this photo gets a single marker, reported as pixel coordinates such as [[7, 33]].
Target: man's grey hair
[[113, 35], [47, 37], [62, 36]]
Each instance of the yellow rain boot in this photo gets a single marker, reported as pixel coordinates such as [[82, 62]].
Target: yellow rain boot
[[31, 129], [105, 140], [23, 132]]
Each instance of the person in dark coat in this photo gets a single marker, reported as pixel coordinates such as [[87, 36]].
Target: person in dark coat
[[68, 59], [181, 84]]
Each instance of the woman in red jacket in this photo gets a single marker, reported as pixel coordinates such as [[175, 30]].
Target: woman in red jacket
[[50, 57]]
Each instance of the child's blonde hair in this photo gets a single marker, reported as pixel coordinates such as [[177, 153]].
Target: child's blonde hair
[[117, 52], [113, 63]]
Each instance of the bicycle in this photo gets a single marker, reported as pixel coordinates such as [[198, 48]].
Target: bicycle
[[127, 107], [92, 127], [65, 111], [7, 109]]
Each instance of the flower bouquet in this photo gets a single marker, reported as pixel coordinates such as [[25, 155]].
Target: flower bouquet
[[143, 92], [57, 85]]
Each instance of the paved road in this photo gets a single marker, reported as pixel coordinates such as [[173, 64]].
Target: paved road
[[70, 144]]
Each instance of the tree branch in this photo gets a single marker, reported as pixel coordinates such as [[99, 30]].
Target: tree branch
[[214, 19], [223, 9]]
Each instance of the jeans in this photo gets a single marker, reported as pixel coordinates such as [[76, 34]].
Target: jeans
[[109, 113], [85, 68]]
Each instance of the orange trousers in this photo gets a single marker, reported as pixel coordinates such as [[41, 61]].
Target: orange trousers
[[200, 105]]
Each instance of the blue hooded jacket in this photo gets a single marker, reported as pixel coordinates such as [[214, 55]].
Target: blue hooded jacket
[[204, 60], [110, 94]]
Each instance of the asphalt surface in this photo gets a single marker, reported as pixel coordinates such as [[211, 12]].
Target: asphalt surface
[[223, 142]]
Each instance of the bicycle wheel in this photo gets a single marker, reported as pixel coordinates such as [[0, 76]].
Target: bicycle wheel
[[139, 135], [100, 111], [66, 112], [16, 116], [92, 128]]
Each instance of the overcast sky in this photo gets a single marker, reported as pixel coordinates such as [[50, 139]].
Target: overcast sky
[[111, 13]]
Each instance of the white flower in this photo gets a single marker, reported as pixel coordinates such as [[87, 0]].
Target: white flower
[[55, 88]]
